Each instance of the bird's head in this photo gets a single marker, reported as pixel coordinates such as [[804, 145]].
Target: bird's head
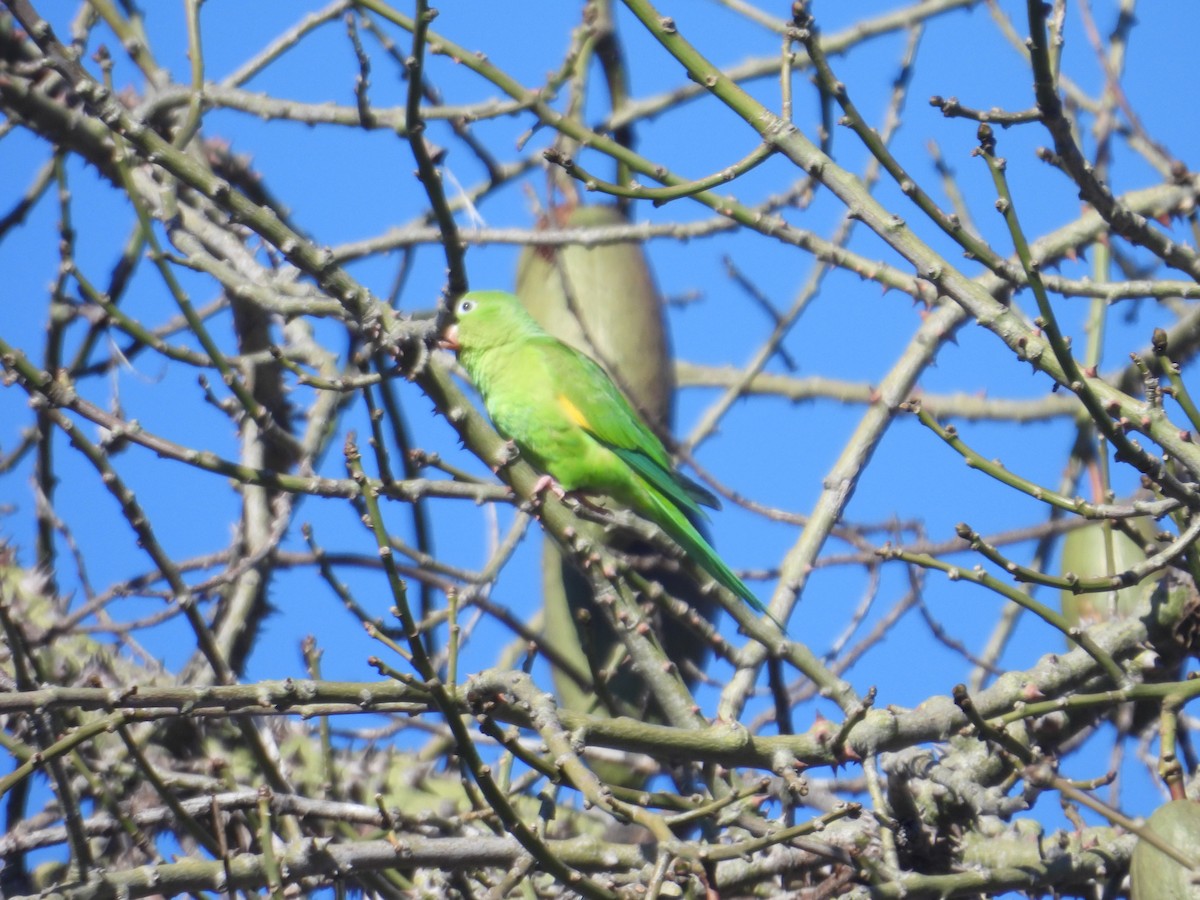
[[483, 319]]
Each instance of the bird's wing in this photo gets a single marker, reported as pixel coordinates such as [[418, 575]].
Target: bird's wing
[[589, 398]]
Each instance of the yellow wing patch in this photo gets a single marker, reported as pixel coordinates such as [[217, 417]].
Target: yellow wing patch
[[573, 412]]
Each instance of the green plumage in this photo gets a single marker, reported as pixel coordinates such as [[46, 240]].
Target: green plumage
[[570, 421]]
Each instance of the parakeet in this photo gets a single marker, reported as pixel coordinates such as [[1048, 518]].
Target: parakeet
[[572, 423]]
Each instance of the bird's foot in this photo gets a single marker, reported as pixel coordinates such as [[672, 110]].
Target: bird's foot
[[543, 484]]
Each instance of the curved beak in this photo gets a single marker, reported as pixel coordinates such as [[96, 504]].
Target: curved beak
[[449, 338]]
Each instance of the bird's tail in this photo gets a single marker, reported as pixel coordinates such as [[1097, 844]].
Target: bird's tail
[[685, 534]]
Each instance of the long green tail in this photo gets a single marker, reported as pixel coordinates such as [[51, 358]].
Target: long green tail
[[672, 520]]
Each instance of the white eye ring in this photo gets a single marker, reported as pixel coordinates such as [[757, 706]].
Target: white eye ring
[[465, 306]]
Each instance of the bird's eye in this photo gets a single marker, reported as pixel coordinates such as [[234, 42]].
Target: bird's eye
[[465, 306]]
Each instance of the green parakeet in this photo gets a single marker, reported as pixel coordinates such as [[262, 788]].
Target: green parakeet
[[572, 423]]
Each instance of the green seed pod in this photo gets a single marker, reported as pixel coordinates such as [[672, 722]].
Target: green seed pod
[[1153, 874], [603, 300], [1086, 555]]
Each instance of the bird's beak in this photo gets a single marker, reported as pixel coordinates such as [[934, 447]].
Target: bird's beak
[[449, 338]]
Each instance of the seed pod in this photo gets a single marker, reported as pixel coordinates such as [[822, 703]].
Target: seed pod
[[1085, 554], [1153, 874], [603, 300]]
